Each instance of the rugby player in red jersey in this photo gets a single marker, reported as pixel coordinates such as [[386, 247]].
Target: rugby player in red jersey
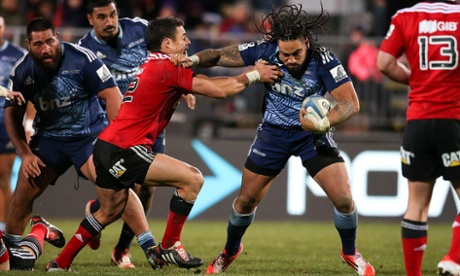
[[428, 33], [123, 152]]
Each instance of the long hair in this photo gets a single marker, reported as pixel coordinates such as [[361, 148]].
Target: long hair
[[161, 28], [290, 22], [39, 24]]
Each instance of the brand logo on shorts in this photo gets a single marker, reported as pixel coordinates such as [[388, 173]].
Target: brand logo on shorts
[[118, 169], [406, 156], [451, 159]]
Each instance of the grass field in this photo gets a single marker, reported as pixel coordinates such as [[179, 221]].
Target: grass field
[[270, 248]]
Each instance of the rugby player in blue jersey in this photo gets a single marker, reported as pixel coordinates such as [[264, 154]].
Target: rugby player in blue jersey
[[64, 82], [309, 69], [122, 45], [9, 54]]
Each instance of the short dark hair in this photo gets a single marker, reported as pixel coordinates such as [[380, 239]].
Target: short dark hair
[[161, 28], [97, 4], [39, 24]]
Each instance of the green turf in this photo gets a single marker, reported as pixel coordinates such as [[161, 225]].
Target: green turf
[[270, 248]]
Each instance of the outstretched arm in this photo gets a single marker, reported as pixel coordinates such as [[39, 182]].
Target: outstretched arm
[[226, 57], [222, 87]]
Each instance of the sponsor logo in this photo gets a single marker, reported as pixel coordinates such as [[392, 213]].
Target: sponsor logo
[[100, 55], [103, 73], [406, 156], [29, 81], [70, 72], [78, 236], [54, 103], [118, 169], [338, 73], [432, 26], [451, 159], [137, 42], [420, 248]]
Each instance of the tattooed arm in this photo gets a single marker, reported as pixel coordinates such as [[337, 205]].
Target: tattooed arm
[[225, 57], [347, 105]]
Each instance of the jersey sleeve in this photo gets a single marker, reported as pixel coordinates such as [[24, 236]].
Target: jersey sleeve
[[393, 43], [98, 76], [331, 71], [180, 77], [253, 51]]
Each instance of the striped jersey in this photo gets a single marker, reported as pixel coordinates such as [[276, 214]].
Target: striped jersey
[[428, 33], [130, 52], [283, 99], [66, 99], [149, 102], [9, 54]]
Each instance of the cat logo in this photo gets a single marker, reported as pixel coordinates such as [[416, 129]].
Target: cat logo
[[406, 156], [118, 169], [451, 159]]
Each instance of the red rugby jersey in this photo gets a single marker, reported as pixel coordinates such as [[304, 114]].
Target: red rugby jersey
[[149, 102], [429, 35]]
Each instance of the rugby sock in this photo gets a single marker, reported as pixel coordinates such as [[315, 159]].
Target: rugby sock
[[346, 225], [94, 206], [414, 237], [34, 243], [179, 210], [237, 225], [4, 256], [126, 236], [146, 240], [87, 230], [38, 231], [454, 251], [13, 239]]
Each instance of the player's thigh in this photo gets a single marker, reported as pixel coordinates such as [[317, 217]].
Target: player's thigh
[[169, 171], [334, 180], [88, 169], [31, 188], [6, 167]]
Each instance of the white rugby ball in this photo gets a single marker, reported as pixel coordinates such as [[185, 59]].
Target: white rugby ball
[[317, 105]]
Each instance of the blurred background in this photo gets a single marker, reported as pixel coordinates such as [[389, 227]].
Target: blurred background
[[216, 136], [356, 29]]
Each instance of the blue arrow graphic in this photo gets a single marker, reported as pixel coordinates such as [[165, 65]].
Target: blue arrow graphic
[[225, 180]]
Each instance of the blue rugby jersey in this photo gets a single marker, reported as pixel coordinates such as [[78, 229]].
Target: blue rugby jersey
[[283, 99], [9, 54], [131, 51], [66, 100]]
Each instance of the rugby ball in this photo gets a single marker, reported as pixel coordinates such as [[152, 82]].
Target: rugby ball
[[317, 105]]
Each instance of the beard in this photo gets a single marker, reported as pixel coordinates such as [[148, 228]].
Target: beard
[[298, 71]]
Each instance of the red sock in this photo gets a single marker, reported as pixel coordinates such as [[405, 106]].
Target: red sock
[[4, 255], [173, 229], [38, 231], [76, 243], [413, 255], [454, 251]]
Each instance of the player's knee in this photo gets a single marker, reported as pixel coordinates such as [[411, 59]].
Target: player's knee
[[196, 179], [344, 205], [245, 205]]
